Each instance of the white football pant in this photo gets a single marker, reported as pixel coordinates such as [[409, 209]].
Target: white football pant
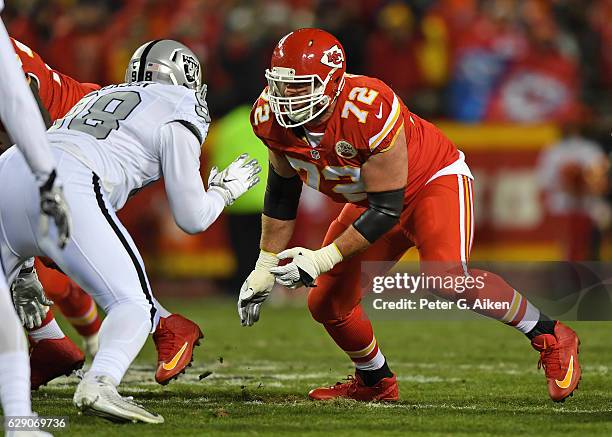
[[100, 256], [14, 360]]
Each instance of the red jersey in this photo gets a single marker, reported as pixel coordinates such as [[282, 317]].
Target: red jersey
[[367, 118], [58, 92]]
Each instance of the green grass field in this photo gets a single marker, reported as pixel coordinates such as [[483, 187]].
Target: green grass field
[[456, 378]]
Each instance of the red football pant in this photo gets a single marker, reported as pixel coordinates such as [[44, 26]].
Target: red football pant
[[440, 223], [76, 305]]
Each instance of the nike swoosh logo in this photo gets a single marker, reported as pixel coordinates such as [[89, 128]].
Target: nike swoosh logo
[[379, 115], [228, 180], [568, 376], [173, 362]]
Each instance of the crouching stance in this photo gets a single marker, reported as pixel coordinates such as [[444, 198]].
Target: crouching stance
[[403, 184], [114, 142]]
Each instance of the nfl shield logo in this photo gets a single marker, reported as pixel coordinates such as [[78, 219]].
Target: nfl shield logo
[[315, 154]]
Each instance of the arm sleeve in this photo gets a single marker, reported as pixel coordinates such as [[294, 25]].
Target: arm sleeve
[[193, 209], [20, 114]]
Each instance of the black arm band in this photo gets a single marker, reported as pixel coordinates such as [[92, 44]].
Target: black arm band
[[282, 196], [384, 210]]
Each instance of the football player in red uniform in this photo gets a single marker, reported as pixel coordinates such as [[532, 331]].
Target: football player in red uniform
[[53, 354], [404, 184]]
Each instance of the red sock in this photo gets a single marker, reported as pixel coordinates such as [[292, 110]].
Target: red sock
[[80, 310], [518, 311], [354, 335]]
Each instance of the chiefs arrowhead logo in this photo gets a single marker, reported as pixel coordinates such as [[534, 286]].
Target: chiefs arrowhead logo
[[333, 57]]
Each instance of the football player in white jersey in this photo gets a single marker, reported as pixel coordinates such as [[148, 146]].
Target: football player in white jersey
[[22, 120], [111, 144]]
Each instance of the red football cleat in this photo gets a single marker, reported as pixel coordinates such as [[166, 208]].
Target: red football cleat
[[354, 388], [559, 357], [175, 338], [51, 358]]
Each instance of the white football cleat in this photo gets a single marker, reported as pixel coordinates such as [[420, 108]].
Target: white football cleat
[[98, 396], [91, 344]]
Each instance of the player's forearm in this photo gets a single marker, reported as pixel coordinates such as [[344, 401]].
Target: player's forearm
[[381, 216], [280, 207], [351, 242], [275, 234], [194, 209], [20, 114], [199, 212]]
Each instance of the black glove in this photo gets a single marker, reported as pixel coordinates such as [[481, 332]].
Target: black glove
[[53, 204]]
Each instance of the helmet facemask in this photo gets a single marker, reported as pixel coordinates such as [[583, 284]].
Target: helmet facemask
[[294, 111]]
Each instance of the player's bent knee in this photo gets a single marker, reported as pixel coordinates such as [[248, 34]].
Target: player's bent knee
[[315, 307], [323, 308], [136, 300]]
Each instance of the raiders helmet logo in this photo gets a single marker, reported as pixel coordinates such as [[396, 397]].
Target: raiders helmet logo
[[333, 57], [191, 67], [345, 149]]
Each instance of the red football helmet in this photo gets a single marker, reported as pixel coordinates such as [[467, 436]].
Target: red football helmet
[[306, 57]]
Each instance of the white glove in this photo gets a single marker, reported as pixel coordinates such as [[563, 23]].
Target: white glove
[[29, 299], [306, 266], [256, 288], [238, 178]]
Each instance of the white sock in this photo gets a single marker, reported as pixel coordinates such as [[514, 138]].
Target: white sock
[[374, 364], [529, 320], [123, 333], [14, 361], [50, 331], [15, 383], [161, 312]]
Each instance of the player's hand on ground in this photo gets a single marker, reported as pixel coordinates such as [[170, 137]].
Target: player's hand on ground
[[53, 205], [238, 178], [256, 289], [29, 299], [306, 265]]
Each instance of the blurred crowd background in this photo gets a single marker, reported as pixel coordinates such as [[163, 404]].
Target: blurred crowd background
[[523, 87], [469, 60]]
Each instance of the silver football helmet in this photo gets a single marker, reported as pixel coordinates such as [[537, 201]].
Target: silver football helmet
[[165, 61]]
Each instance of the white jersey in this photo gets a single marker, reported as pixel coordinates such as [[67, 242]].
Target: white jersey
[[119, 132]]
